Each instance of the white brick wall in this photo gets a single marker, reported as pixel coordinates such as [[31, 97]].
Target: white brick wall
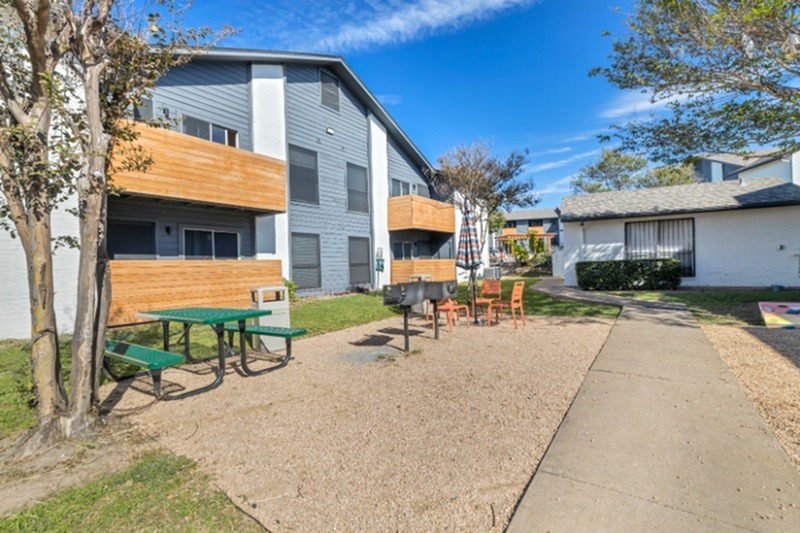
[[14, 307]]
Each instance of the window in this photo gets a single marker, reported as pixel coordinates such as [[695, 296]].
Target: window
[[402, 250], [662, 239], [510, 224], [357, 189], [303, 177], [210, 244], [208, 131], [143, 111], [330, 91], [131, 240], [400, 188], [305, 261], [358, 253]]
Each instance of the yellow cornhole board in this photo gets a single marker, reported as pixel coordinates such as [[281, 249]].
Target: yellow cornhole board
[[780, 314]]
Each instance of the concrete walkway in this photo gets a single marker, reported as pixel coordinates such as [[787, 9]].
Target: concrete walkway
[[660, 437]]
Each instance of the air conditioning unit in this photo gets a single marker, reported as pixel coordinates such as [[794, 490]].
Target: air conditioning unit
[[491, 273]]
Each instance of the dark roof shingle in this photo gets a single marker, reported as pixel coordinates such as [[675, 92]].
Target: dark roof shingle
[[695, 198]]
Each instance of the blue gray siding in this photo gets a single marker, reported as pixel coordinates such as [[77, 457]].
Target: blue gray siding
[[177, 216], [212, 91], [401, 168], [306, 123]]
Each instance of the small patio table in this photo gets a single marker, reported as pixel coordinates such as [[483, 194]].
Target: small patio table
[[216, 318]]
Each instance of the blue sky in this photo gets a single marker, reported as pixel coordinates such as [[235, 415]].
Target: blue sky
[[513, 72]]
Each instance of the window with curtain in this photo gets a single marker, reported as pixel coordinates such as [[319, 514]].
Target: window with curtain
[[303, 175], [306, 266], [357, 189], [662, 239], [358, 252]]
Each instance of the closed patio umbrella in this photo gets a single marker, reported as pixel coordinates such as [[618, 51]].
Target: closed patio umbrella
[[468, 255]]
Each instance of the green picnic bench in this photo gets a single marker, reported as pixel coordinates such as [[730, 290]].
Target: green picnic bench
[[267, 331], [151, 360]]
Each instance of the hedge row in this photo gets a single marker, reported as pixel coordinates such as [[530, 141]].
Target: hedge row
[[629, 275]]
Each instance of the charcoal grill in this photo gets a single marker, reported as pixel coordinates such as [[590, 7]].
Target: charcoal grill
[[406, 295]]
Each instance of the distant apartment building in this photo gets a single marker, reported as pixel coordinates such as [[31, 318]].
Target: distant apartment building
[[520, 225]]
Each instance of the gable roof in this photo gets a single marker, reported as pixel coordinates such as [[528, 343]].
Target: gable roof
[[741, 160], [528, 214], [679, 199], [340, 67]]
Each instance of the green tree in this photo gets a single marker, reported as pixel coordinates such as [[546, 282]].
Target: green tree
[[488, 182], [497, 221], [71, 74], [728, 71], [618, 171]]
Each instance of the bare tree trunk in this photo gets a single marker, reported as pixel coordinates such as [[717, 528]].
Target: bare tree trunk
[[103, 280], [45, 357], [91, 193]]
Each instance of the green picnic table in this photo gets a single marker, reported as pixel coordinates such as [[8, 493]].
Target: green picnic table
[[216, 318]]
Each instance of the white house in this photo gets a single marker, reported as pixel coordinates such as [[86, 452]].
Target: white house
[[726, 234]]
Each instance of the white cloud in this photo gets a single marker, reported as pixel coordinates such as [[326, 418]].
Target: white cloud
[[324, 26], [558, 187], [389, 99], [561, 162], [552, 151], [633, 103]]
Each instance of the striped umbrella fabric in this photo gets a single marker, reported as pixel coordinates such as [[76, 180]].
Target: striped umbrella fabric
[[468, 255]]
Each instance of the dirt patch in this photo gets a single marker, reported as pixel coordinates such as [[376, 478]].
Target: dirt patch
[[445, 438], [69, 464], [767, 364]]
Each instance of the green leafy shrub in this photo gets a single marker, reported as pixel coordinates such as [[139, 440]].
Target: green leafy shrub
[[291, 288], [629, 275]]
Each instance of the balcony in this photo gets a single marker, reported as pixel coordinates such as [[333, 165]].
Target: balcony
[[195, 170], [438, 269], [138, 286], [412, 212]]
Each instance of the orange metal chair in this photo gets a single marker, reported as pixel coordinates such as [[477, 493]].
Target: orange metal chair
[[452, 308], [513, 305], [491, 290]]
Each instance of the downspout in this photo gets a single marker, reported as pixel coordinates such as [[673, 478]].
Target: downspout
[[583, 242]]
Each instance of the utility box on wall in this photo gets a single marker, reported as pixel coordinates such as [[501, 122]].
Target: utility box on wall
[[276, 300]]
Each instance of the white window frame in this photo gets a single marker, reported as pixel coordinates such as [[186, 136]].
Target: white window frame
[[211, 131]]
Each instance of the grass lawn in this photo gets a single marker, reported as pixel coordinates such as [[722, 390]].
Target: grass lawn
[[538, 303], [720, 307], [161, 492]]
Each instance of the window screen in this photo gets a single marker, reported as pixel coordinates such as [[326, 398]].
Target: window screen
[[303, 177], [359, 260], [357, 189], [662, 239], [330, 91], [143, 111], [208, 244], [400, 188], [305, 261], [401, 250], [197, 128], [131, 240]]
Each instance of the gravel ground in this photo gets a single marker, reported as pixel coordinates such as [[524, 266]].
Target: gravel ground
[[767, 364], [343, 439]]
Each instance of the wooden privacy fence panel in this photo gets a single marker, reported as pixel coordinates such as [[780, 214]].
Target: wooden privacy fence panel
[[138, 286], [440, 269], [416, 212], [190, 169]]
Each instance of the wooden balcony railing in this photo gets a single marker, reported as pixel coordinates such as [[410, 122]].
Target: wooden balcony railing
[[190, 169], [438, 269], [416, 212], [138, 286]]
